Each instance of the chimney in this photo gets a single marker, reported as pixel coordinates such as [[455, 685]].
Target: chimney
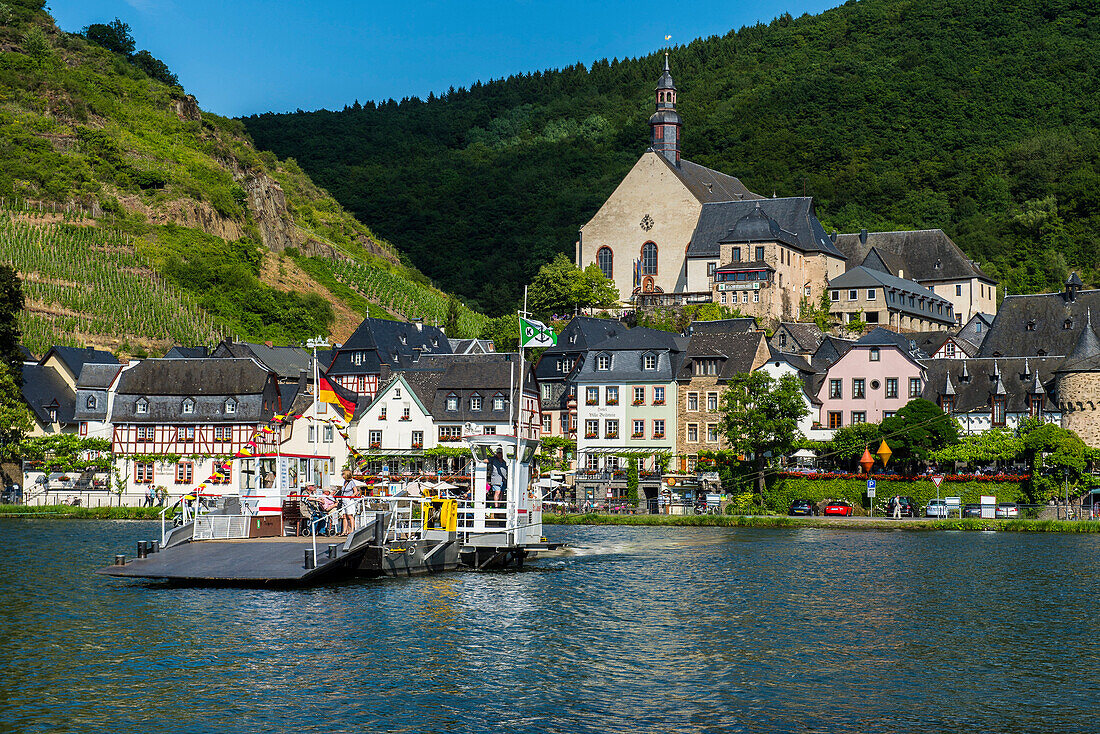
[[419, 322], [269, 345], [863, 237]]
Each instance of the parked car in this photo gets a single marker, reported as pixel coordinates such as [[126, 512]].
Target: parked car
[[972, 509], [1007, 510], [936, 508], [802, 507], [838, 507]]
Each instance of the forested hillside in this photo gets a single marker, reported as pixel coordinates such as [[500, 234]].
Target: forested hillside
[[980, 117], [137, 220]]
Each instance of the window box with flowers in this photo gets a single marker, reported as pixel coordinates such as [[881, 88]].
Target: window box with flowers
[[418, 445], [612, 401], [376, 446], [405, 418], [591, 402], [638, 402], [382, 417], [593, 434], [659, 401], [658, 435], [638, 434]]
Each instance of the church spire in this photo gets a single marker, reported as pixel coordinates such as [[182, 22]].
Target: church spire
[[665, 122]]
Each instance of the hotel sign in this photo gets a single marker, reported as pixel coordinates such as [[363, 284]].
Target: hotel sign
[[754, 286]]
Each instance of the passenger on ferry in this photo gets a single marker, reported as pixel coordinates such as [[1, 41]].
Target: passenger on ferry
[[329, 507], [498, 477], [347, 495]]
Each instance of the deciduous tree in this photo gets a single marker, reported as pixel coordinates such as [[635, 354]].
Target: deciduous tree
[[917, 429], [760, 417]]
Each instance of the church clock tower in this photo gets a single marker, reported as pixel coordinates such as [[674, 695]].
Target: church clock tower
[[665, 123]]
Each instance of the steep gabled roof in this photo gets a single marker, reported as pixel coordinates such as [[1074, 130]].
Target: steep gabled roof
[[98, 375], [794, 215], [881, 337], [1085, 356], [806, 336], [75, 358], [1049, 323], [394, 343], [641, 337], [934, 307], [193, 377], [44, 388], [286, 362], [722, 326], [832, 348], [706, 184], [181, 352], [925, 255], [974, 382], [736, 351]]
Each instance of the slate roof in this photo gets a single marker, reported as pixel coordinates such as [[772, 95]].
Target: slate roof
[[394, 343], [42, 388], [975, 330], [736, 352], [807, 337], [471, 346], [756, 226], [829, 351], [881, 337], [811, 379], [1085, 356], [641, 338], [930, 342], [75, 358], [1046, 322], [925, 255], [935, 307], [181, 352], [286, 362], [435, 378], [708, 185], [166, 383], [91, 391], [794, 215], [723, 326], [975, 381]]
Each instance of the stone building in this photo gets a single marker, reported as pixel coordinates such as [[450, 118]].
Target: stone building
[[930, 258], [712, 359], [1079, 387], [880, 299]]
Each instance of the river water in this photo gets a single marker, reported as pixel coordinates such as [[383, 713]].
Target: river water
[[634, 630]]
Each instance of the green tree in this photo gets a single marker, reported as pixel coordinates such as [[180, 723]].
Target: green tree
[[561, 287], [760, 417], [114, 36], [15, 417], [503, 331], [450, 325], [11, 305], [1056, 458], [916, 430], [36, 45], [154, 68]]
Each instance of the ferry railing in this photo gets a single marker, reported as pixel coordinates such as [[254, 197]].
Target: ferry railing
[[187, 513]]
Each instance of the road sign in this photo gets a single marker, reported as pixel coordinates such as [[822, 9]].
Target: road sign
[[871, 488], [871, 494], [936, 479]]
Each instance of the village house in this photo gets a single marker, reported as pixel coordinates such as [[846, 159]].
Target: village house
[[873, 379], [780, 364], [49, 387], [799, 338], [288, 363], [175, 420], [711, 360], [930, 258], [95, 393], [879, 299], [993, 392], [626, 404], [379, 346]]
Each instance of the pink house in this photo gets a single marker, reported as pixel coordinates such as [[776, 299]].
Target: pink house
[[875, 378]]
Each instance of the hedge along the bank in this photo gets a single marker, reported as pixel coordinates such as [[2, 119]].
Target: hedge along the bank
[[787, 489]]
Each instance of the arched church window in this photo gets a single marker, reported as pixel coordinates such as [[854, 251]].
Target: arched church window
[[605, 260], [649, 259]]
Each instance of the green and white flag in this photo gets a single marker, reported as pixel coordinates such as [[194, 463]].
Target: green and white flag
[[536, 334]]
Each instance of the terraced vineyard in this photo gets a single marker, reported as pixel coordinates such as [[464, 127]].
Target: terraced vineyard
[[405, 298], [84, 285]]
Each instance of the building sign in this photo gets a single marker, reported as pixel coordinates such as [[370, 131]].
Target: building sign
[[753, 286]]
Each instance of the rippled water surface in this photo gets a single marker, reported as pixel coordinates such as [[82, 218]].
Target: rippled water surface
[[634, 630]]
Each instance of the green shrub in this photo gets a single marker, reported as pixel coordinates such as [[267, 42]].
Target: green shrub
[[787, 489]]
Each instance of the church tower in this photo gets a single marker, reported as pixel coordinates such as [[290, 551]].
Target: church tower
[[665, 123]]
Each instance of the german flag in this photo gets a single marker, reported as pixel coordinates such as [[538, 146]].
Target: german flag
[[329, 392]]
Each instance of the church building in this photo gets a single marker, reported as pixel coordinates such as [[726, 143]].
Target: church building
[[674, 232]]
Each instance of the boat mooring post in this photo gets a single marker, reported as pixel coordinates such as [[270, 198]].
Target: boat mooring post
[[332, 550], [311, 558], [142, 549], [120, 559]]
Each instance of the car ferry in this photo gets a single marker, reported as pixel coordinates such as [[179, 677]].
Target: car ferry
[[401, 529]]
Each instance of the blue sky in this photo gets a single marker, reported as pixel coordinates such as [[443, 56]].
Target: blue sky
[[243, 56]]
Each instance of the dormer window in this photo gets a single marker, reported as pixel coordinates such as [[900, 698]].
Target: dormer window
[[53, 415], [498, 403], [706, 366], [475, 403], [230, 406], [90, 403], [603, 362], [357, 358], [188, 406], [142, 406], [404, 339], [649, 362], [452, 402], [1067, 324], [1030, 325]]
